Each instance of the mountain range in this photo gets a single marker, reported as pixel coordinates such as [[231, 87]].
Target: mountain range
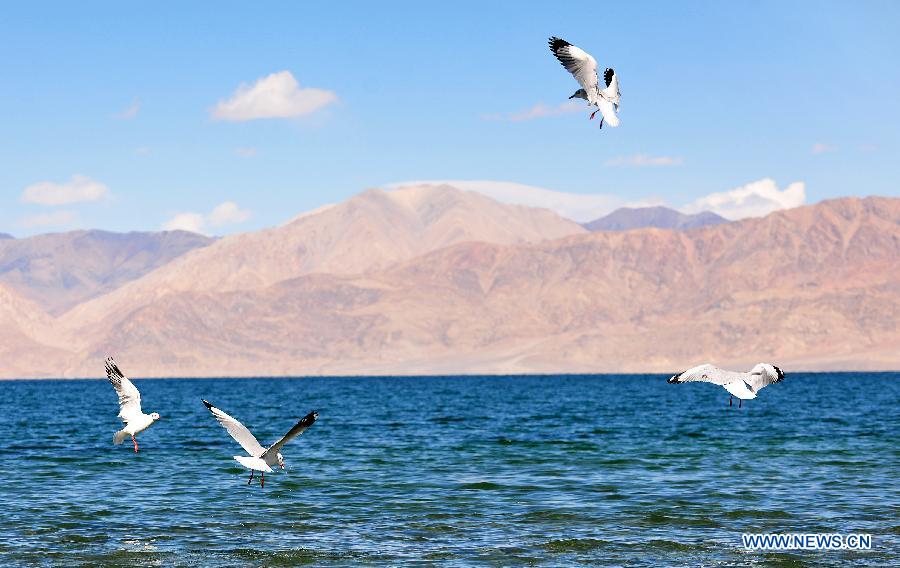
[[61, 270], [433, 279], [629, 218]]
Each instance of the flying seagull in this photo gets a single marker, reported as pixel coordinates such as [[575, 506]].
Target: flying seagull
[[742, 385], [260, 459], [129, 405], [584, 67]]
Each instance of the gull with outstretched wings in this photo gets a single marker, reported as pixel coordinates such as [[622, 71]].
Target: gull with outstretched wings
[[584, 68], [742, 385], [129, 405], [260, 459]]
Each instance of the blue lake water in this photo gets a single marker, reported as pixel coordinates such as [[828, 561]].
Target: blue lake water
[[458, 470]]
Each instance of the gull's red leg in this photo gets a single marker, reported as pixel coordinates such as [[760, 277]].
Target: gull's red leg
[[601, 123], [593, 113], [262, 479], [740, 402], [251, 477], [730, 401], [135, 443]]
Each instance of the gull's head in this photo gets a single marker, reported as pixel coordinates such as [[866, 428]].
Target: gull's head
[[579, 94], [155, 416], [280, 460]]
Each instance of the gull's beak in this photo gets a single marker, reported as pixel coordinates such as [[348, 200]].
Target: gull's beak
[[282, 466]]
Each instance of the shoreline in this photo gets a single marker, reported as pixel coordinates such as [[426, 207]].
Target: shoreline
[[430, 376]]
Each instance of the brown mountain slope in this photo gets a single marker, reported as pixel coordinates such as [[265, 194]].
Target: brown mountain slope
[[60, 270], [816, 287], [28, 345], [371, 230]]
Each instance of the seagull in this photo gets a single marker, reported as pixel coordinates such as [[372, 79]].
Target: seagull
[[129, 405], [584, 67], [260, 459], [742, 385]]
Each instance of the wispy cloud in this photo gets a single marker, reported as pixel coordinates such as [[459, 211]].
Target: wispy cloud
[[143, 151], [54, 219], [822, 148], [755, 199], [576, 206], [278, 95], [245, 152], [644, 161], [539, 110], [132, 111], [867, 148], [227, 213], [78, 189]]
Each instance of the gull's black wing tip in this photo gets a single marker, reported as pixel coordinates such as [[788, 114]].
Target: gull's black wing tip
[[779, 374], [206, 403], [557, 43], [675, 379], [112, 370]]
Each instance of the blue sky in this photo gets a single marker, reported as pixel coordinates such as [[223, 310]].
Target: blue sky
[[715, 95]]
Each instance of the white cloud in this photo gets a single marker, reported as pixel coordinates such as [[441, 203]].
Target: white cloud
[[54, 219], [539, 110], [276, 96], [227, 213], [132, 111], [822, 148], [755, 199], [245, 152], [643, 160], [78, 189], [578, 207], [192, 222]]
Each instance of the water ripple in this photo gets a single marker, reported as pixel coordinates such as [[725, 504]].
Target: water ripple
[[452, 470]]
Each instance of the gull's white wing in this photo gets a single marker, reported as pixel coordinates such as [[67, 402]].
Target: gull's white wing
[[238, 431], [129, 397], [609, 98], [298, 429], [611, 91], [579, 63], [707, 374], [764, 375]]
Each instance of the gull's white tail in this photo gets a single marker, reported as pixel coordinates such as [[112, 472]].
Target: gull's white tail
[[608, 110], [119, 437], [253, 463]]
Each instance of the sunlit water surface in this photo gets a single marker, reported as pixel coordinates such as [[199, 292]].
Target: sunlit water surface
[[459, 470]]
